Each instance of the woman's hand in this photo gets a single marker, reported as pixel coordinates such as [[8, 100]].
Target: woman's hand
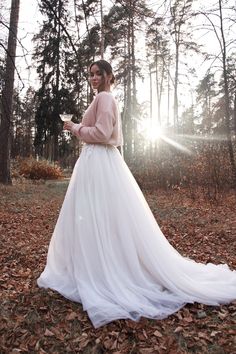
[[68, 126]]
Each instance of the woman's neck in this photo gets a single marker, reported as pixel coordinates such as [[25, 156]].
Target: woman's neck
[[106, 89]]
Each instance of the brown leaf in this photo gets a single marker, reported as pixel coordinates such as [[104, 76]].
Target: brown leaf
[[188, 319], [178, 329], [222, 315], [108, 343], [71, 316], [146, 351], [48, 333], [145, 334], [157, 334]]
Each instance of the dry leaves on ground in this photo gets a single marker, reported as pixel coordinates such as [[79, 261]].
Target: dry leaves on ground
[[34, 320]]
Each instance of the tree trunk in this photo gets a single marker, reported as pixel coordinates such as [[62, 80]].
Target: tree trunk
[[57, 87], [7, 96], [176, 102], [168, 95], [157, 88], [227, 100], [128, 116], [235, 113], [102, 31], [150, 91], [134, 89]]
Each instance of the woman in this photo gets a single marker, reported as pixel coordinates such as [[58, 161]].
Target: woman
[[107, 250]]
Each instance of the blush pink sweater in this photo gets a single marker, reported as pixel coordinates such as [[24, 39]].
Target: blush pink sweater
[[101, 123]]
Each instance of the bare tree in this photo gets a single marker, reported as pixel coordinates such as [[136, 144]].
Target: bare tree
[[226, 92], [220, 34], [179, 11]]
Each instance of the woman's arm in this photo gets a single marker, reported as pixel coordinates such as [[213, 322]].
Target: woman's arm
[[103, 128]]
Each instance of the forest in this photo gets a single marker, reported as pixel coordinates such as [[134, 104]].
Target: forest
[[176, 92], [175, 67]]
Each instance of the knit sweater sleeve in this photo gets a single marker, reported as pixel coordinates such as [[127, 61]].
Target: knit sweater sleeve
[[104, 121]]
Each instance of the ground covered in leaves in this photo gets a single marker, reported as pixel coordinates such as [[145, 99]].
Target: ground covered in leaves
[[37, 321]]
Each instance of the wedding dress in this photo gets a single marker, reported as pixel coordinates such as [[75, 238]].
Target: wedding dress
[[108, 253]]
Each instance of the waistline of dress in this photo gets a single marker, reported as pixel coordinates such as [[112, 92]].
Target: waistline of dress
[[98, 144], [89, 146]]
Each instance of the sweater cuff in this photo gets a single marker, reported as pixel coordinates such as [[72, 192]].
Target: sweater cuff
[[76, 128]]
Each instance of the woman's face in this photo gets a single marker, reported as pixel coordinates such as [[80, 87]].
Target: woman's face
[[98, 80]]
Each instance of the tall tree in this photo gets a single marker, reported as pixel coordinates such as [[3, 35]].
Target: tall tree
[[158, 56], [231, 70], [222, 35], [102, 30], [24, 124], [7, 95], [226, 91], [122, 25], [51, 54], [206, 94], [180, 14]]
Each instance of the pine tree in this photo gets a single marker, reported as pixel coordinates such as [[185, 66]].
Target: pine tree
[[121, 26], [51, 54], [24, 124]]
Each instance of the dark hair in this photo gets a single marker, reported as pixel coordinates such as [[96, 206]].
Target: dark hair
[[104, 66]]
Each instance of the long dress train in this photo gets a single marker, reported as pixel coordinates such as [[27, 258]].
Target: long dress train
[[108, 252]]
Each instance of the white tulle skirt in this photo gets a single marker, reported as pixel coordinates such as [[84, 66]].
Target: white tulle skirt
[[108, 252]]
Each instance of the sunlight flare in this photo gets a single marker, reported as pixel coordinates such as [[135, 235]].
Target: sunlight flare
[[177, 145], [154, 134], [208, 137], [151, 132]]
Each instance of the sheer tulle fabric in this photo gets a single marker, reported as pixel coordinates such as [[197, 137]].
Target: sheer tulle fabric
[[108, 253]]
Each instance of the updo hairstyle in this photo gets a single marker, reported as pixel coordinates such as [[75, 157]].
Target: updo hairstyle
[[104, 66]]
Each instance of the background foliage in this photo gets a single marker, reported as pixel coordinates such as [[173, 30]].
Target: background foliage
[[168, 79]]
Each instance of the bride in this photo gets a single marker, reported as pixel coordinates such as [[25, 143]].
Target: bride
[[107, 251]]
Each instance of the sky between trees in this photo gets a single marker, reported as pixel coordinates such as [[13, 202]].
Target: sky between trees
[[175, 61], [30, 20]]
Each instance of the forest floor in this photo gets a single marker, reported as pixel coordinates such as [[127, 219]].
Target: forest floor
[[35, 320]]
